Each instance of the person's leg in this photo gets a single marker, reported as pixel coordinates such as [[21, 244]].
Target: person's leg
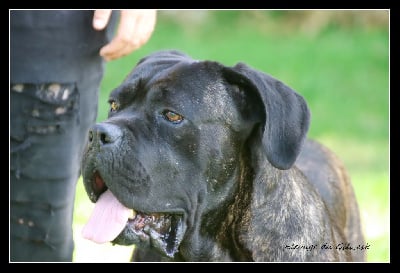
[[49, 124]]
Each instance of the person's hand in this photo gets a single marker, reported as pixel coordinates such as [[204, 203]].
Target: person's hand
[[134, 30]]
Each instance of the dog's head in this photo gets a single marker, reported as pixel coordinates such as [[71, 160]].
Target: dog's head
[[171, 148]]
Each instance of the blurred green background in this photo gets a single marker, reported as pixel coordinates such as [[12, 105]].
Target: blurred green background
[[337, 60]]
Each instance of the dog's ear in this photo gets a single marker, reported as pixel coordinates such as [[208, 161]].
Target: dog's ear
[[285, 118]]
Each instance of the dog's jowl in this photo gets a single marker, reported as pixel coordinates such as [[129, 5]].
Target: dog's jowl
[[198, 161]]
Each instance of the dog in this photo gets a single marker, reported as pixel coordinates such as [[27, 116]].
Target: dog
[[198, 161]]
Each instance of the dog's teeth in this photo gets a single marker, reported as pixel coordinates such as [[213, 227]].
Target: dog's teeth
[[133, 214]]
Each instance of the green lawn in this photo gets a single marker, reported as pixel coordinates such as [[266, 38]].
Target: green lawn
[[342, 71]]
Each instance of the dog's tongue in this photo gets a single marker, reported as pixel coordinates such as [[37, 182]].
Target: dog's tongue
[[108, 219]]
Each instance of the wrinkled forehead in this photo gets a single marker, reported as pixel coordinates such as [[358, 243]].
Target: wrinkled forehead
[[145, 73], [187, 78], [196, 90], [196, 75], [199, 82]]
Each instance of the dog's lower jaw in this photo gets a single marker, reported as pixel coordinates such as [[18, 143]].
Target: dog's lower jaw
[[163, 233]]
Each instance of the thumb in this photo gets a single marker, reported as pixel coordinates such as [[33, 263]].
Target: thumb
[[101, 18]]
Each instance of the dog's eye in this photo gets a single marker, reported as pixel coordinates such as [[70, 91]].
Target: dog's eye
[[113, 106], [172, 116]]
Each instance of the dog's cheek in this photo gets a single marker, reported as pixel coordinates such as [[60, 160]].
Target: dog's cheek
[[170, 175], [182, 139], [222, 172], [219, 170]]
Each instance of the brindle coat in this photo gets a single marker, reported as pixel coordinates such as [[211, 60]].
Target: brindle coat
[[226, 148]]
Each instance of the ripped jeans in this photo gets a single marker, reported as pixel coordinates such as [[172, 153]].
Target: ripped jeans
[[49, 124]]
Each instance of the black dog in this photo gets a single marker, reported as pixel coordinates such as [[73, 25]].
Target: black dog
[[202, 162]]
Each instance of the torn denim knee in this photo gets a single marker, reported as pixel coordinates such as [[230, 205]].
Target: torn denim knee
[[40, 111]]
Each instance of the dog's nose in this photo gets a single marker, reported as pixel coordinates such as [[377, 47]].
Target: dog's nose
[[104, 133]]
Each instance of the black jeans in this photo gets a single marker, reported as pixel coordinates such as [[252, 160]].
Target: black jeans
[[49, 124]]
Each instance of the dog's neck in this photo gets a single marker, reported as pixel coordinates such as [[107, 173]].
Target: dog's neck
[[235, 219], [217, 237]]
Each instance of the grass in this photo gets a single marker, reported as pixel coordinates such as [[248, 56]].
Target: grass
[[343, 73]]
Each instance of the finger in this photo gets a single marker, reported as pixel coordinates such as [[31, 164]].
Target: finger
[[101, 18], [125, 35], [134, 30], [117, 49], [113, 50]]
